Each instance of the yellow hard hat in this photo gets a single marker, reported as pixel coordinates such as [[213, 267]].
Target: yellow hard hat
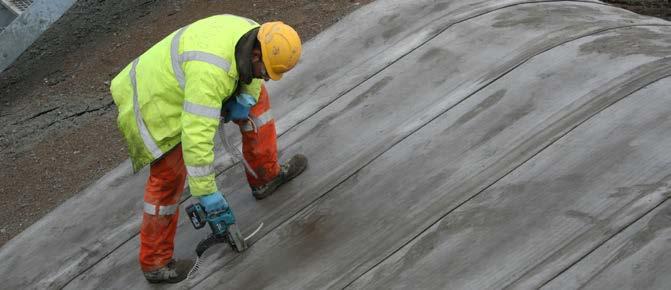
[[280, 48]]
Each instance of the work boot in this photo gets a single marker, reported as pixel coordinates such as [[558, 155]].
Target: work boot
[[288, 171], [173, 272]]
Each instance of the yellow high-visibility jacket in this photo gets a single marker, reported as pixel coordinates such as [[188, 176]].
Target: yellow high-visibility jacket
[[173, 93]]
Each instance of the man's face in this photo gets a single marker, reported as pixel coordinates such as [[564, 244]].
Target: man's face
[[258, 68]]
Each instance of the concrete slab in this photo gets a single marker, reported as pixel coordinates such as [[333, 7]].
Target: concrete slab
[[391, 200], [636, 258], [104, 239], [379, 125], [406, 109], [531, 225]]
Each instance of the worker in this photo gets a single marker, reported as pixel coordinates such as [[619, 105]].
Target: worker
[[170, 100]]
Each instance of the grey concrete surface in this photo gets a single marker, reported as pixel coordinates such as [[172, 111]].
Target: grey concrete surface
[[564, 201], [27, 27], [392, 199], [637, 258], [431, 127]]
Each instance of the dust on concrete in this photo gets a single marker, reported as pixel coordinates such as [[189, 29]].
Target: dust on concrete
[[58, 130], [631, 40], [59, 123], [538, 15]]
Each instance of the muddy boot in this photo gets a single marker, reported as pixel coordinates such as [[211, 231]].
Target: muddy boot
[[173, 272], [288, 171]]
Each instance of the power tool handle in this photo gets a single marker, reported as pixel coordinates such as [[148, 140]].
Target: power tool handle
[[197, 215]]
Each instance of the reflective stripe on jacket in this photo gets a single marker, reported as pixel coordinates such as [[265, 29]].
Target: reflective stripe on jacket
[[173, 93]]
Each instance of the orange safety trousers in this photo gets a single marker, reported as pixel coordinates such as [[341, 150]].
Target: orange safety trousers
[[167, 177]]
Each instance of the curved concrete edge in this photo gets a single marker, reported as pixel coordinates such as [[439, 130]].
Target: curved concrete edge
[[534, 237], [638, 258], [123, 260], [343, 57], [118, 205], [306, 248], [28, 26]]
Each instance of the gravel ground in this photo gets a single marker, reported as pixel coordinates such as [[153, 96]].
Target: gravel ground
[[657, 8], [59, 130]]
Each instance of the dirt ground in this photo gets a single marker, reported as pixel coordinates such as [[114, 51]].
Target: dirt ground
[[58, 132], [657, 8]]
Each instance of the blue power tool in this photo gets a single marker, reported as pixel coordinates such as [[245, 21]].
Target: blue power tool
[[222, 224]]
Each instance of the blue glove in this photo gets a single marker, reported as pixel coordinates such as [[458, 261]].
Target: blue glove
[[238, 109], [213, 202], [219, 214]]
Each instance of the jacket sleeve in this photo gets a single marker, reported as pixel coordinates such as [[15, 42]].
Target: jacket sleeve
[[206, 87], [253, 89]]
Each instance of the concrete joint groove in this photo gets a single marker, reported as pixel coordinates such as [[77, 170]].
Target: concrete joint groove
[[614, 92], [515, 62], [544, 47], [640, 77]]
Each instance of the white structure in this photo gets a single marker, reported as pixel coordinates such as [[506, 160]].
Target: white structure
[[17, 6], [23, 22]]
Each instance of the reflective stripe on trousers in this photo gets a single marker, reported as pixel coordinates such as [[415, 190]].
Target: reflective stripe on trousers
[[163, 190], [257, 122], [154, 209]]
